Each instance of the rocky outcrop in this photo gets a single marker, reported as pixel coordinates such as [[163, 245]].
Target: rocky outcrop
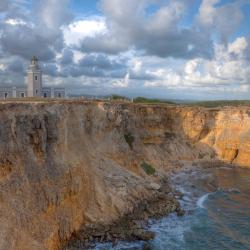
[[69, 164], [131, 226]]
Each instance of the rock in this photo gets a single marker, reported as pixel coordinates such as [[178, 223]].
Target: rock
[[180, 212], [178, 195], [114, 242], [143, 235], [155, 186], [146, 246]]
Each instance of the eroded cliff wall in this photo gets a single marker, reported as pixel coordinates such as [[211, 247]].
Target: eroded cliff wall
[[67, 164]]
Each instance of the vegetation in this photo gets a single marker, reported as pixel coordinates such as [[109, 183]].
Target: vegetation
[[151, 101], [220, 103], [129, 138], [118, 97], [148, 168]]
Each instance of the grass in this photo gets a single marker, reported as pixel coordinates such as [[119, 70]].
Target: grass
[[149, 170], [129, 138], [119, 97], [151, 101], [220, 103], [139, 100]]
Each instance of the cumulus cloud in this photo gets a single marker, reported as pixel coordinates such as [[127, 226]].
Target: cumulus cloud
[[224, 19], [122, 83], [156, 33], [38, 34], [67, 57], [93, 65], [81, 29], [229, 69], [52, 14], [143, 46]]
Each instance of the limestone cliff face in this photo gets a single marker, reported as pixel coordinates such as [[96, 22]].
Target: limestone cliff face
[[67, 164]]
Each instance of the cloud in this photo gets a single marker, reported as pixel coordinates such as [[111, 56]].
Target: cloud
[[38, 34], [50, 69], [229, 69], [67, 57], [100, 61], [224, 19], [238, 47], [81, 29], [122, 83], [26, 42], [53, 14], [15, 22], [4, 5], [151, 47], [157, 33], [16, 66], [92, 65]]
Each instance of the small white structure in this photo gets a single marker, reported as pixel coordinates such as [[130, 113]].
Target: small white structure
[[35, 86], [48, 92]]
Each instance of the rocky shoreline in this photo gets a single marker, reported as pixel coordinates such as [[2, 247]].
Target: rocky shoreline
[[132, 226]]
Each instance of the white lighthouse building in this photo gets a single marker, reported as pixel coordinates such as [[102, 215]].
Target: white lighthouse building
[[34, 76], [34, 86]]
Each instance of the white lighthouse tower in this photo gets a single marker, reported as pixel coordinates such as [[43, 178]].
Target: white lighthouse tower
[[34, 79]]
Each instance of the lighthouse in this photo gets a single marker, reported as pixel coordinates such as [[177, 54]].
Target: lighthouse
[[34, 75]]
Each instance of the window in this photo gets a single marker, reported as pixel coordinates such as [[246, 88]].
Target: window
[[22, 95], [36, 91], [5, 95], [45, 95], [36, 78], [59, 95]]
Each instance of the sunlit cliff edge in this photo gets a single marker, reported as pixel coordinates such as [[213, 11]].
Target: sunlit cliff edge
[[67, 164]]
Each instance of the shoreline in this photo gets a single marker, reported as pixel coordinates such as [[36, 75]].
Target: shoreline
[[132, 226]]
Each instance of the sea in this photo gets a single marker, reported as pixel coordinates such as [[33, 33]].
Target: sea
[[217, 205]]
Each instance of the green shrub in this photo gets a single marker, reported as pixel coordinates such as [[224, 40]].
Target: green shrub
[[148, 168], [119, 97], [151, 101], [219, 103], [129, 138]]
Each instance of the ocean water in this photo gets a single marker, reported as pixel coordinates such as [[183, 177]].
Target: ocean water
[[217, 204]]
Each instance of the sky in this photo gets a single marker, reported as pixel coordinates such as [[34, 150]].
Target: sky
[[169, 49]]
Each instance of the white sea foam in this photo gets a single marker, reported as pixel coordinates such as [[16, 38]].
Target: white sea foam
[[202, 199], [170, 232]]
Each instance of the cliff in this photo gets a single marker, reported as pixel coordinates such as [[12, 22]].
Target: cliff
[[70, 163]]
